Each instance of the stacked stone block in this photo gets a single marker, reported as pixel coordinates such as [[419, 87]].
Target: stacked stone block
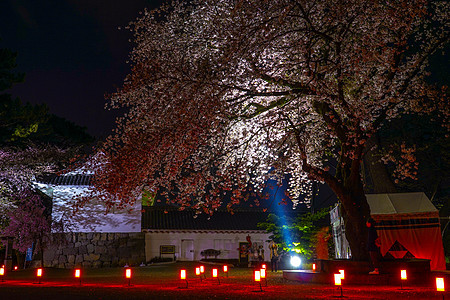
[[96, 250]]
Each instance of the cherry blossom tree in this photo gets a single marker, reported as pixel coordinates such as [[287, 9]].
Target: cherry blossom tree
[[226, 94], [28, 223]]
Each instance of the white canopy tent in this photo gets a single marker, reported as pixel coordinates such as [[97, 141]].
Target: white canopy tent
[[407, 224]]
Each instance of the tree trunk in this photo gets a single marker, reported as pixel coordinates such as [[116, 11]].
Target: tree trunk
[[376, 170], [355, 212]]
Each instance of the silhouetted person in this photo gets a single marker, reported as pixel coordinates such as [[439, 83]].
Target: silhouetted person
[[373, 245], [273, 256]]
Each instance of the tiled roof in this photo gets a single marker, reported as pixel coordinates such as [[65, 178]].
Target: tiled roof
[[157, 218], [78, 179]]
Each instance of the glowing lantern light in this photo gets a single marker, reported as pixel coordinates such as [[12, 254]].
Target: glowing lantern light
[[202, 271], [337, 279], [263, 276], [440, 286], [2, 273], [342, 272], [403, 275], [263, 266], [225, 270], [314, 267], [198, 273], [78, 274], [16, 268], [338, 282], [39, 274], [128, 275], [215, 274], [183, 276], [257, 276]]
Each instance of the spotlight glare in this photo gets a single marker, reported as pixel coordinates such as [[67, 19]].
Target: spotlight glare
[[296, 261]]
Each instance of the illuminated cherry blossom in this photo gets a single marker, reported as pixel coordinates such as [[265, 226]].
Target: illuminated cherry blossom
[[224, 95]]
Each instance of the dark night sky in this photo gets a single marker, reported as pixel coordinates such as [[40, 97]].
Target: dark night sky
[[72, 53]]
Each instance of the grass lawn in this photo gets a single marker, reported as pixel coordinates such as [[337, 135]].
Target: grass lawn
[[161, 282]]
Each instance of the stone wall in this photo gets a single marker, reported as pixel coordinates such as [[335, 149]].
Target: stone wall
[[96, 250]]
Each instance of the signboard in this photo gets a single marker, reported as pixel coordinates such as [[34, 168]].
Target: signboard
[[167, 249], [29, 256]]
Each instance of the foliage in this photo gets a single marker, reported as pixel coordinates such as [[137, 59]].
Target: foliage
[[296, 233], [431, 158], [7, 64], [32, 143], [20, 122], [28, 222], [221, 92]]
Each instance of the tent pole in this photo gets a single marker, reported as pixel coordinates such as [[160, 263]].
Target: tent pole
[[446, 225]]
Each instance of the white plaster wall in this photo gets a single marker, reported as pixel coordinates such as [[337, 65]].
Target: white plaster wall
[[92, 216], [227, 243]]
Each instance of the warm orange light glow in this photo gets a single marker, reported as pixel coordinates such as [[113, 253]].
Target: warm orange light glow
[[337, 279], [15, 268], [214, 273], [257, 276], [342, 274], [440, 286], [263, 266], [128, 273], [202, 269], [2, 271], [39, 272], [197, 271], [77, 273], [183, 274], [263, 273], [225, 269], [314, 267], [403, 275]]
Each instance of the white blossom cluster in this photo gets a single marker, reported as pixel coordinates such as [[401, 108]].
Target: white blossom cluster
[[226, 94]]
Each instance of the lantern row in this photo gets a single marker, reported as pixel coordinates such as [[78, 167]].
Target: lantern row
[[258, 276]]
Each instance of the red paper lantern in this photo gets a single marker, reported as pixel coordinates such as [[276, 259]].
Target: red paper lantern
[[183, 274], [403, 275], [337, 279], [440, 285], [257, 275]]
